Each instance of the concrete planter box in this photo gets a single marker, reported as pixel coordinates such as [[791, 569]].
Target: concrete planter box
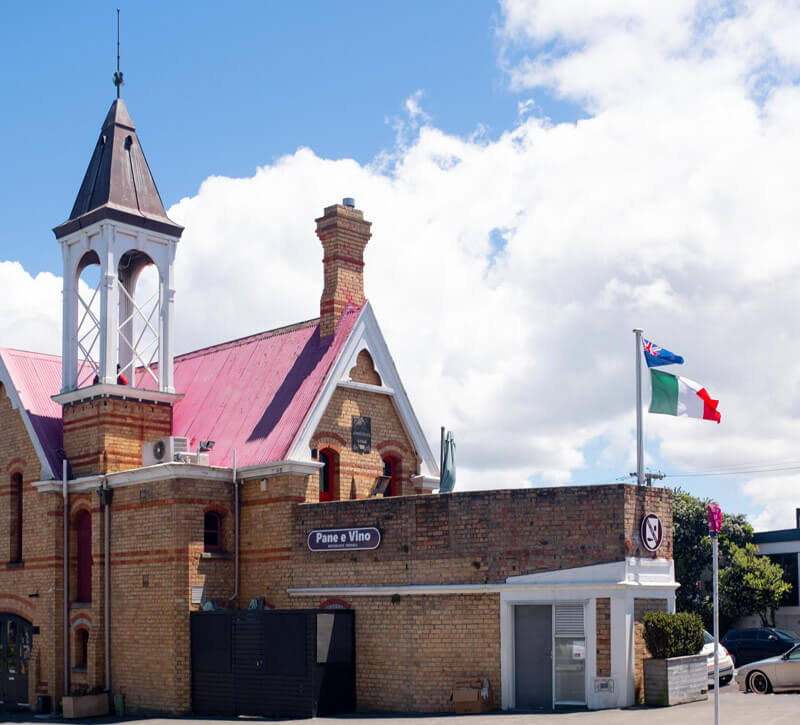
[[81, 706], [675, 680]]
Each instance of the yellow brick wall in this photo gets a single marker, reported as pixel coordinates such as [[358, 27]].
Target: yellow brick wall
[[356, 471], [106, 435], [33, 590], [411, 650]]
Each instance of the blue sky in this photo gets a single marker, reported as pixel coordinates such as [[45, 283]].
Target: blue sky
[[649, 183], [222, 91]]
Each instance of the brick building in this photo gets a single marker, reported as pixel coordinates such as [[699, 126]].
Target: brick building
[[141, 486]]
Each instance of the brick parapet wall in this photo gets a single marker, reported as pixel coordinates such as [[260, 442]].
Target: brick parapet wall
[[477, 537]]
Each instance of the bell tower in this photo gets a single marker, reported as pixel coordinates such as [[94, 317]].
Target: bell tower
[[117, 340], [118, 223]]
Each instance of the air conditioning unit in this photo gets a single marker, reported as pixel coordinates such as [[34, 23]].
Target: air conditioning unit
[[200, 459], [163, 450]]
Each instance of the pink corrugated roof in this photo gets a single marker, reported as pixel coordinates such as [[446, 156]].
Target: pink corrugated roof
[[251, 394], [36, 377]]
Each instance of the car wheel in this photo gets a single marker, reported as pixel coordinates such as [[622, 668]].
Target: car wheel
[[758, 682]]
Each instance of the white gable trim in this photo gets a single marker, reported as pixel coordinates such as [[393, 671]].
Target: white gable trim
[[16, 403], [366, 335]]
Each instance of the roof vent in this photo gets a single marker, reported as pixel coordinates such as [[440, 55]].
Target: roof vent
[[349, 201]]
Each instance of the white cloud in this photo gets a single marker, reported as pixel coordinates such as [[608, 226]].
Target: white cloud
[[30, 309], [673, 207]]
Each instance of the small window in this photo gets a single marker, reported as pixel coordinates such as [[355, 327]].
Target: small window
[[390, 473], [83, 529], [328, 474], [325, 473], [212, 532], [15, 518], [81, 648]]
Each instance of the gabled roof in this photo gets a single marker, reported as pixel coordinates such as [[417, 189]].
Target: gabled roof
[[30, 378], [261, 395], [118, 183]]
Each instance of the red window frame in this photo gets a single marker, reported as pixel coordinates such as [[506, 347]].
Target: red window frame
[[83, 532], [390, 468], [16, 533], [328, 474], [212, 528]]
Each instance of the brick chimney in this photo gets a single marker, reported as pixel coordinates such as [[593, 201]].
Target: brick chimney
[[344, 234]]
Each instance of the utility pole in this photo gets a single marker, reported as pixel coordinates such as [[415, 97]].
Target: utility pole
[[650, 477]]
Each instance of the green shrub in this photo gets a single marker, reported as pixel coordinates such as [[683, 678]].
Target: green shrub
[[673, 635]]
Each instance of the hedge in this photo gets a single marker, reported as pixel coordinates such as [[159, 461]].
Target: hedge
[[673, 635]]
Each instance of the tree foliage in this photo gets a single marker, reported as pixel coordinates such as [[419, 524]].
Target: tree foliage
[[692, 549], [751, 584]]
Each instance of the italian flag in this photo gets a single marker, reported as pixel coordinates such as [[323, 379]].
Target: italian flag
[[674, 395]]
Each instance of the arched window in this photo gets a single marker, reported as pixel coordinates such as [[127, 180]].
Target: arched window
[[81, 648], [83, 529], [390, 471], [328, 475], [212, 532], [15, 518]]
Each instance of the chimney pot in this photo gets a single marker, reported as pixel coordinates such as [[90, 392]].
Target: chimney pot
[[349, 201]]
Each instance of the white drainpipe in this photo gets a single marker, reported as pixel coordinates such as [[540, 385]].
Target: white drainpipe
[[66, 574]]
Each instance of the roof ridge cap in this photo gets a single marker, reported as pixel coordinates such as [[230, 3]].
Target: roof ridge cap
[[237, 342]]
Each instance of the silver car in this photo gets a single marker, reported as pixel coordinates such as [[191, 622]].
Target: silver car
[[772, 674]]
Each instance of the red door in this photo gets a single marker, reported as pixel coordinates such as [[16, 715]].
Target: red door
[[83, 528]]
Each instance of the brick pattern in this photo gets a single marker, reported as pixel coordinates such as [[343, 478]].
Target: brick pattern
[[344, 235], [364, 370], [40, 573], [640, 651], [106, 435], [412, 649], [357, 472], [603, 636], [472, 537]]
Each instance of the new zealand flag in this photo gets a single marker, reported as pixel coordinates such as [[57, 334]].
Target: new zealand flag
[[656, 355]]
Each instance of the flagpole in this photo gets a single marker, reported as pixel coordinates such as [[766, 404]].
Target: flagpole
[[639, 438]]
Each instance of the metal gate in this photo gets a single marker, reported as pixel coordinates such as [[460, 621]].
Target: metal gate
[[287, 663], [16, 640]]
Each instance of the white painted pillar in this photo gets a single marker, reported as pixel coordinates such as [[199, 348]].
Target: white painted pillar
[[109, 307], [622, 660], [166, 352], [69, 299]]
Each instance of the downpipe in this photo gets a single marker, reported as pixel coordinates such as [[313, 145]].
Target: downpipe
[[65, 494], [235, 594], [106, 494]]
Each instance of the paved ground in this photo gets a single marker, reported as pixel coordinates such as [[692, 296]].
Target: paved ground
[[735, 709]]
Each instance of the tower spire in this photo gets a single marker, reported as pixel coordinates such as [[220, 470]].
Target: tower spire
[[118, 82]]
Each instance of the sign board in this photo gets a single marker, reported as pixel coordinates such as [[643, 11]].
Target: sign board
[[361, 433], [352, 539], [651, 532]]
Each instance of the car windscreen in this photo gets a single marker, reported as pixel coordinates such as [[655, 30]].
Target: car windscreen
[[788, 634], [708, 638]]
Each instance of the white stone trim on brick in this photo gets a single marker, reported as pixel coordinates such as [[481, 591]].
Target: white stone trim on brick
[[366, 335]]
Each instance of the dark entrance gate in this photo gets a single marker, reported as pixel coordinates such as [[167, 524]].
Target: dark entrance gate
[[274, 663], [16, 639]]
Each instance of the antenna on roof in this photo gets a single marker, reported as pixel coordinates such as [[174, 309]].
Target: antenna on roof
[[118, 82]]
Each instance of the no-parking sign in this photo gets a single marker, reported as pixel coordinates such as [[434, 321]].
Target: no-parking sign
[[651, 532]]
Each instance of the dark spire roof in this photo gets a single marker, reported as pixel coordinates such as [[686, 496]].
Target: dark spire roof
[[118, 183]]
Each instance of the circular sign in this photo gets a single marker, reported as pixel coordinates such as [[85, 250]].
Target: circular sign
[[651, 532]]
